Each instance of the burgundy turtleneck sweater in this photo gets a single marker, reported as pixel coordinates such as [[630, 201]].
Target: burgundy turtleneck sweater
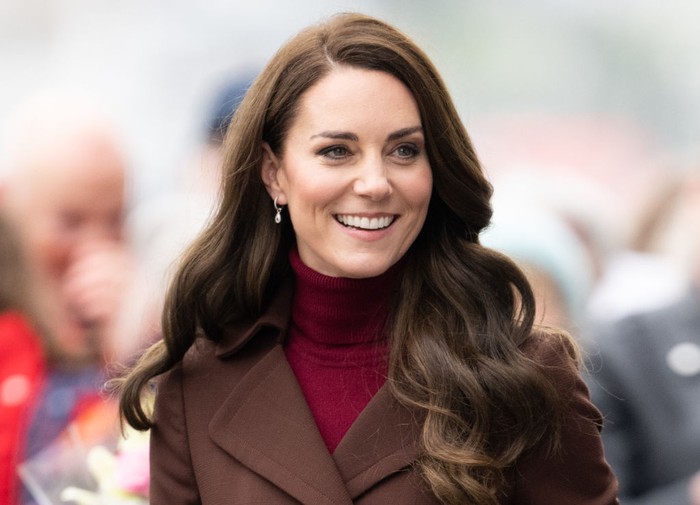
[[336, 345]]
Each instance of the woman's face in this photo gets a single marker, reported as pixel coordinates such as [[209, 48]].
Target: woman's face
[[353, 173]]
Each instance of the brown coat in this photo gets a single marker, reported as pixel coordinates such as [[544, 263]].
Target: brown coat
[[232, 427]]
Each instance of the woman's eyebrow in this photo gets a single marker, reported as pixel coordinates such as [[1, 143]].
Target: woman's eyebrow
[[403, 132], [338, 135], [345, 135]]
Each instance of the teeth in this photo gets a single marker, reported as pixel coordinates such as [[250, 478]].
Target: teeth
[[365, 223]]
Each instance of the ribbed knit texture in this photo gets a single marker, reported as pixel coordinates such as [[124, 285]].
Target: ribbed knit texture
[[337, 346]]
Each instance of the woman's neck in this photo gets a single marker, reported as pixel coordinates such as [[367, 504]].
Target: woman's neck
[[337, 345], [341, 311]]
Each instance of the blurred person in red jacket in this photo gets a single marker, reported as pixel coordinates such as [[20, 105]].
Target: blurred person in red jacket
[[65, 194], [21, 357]]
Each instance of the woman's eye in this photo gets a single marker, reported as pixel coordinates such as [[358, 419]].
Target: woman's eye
[[335, 152], [406, 151]]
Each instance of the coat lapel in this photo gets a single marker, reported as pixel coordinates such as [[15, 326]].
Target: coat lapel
[[384, 439], [266, 425]]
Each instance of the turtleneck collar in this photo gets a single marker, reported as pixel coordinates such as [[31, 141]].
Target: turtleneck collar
[[341, 311]]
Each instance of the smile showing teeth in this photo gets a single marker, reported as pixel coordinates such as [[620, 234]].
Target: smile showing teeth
[[365, 223]]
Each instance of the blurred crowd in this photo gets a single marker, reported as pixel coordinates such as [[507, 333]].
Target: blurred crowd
[[614, 258], [83, 268]]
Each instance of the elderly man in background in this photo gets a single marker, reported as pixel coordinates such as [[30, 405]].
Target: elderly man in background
[[64, 190]]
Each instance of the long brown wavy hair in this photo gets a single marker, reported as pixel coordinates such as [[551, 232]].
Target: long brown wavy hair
[[463, 313]]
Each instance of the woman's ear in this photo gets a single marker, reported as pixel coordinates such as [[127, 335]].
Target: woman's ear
[[268, 172]]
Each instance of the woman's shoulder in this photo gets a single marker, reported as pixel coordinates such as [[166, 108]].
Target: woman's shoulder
[[196, 361], [572, 468], [552, 347], [558, 357], [196, 368], [207, 358]]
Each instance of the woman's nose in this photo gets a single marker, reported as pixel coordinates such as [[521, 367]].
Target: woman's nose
[[372, 181]]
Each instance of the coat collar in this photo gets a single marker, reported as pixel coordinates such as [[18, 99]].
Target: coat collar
[[266, 425], [384, 439], [275, 317]]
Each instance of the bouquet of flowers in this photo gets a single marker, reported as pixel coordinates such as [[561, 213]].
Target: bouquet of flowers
[[121, 476], [91, 465]]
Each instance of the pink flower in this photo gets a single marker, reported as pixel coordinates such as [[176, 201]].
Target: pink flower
[[132, 472]]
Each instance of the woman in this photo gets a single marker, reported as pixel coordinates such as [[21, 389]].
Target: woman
[[337, 334]]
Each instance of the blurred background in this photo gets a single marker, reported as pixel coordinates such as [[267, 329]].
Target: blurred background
[[585, 115], [588, 109], [623, 75]]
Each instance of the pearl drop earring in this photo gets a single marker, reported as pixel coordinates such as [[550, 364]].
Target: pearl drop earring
[[278, 212]]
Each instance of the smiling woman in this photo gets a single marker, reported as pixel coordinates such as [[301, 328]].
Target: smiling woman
[[363, 348], [357, 190]]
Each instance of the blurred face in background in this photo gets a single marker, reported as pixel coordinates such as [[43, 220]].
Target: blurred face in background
[[72, 195], [66, 198]]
